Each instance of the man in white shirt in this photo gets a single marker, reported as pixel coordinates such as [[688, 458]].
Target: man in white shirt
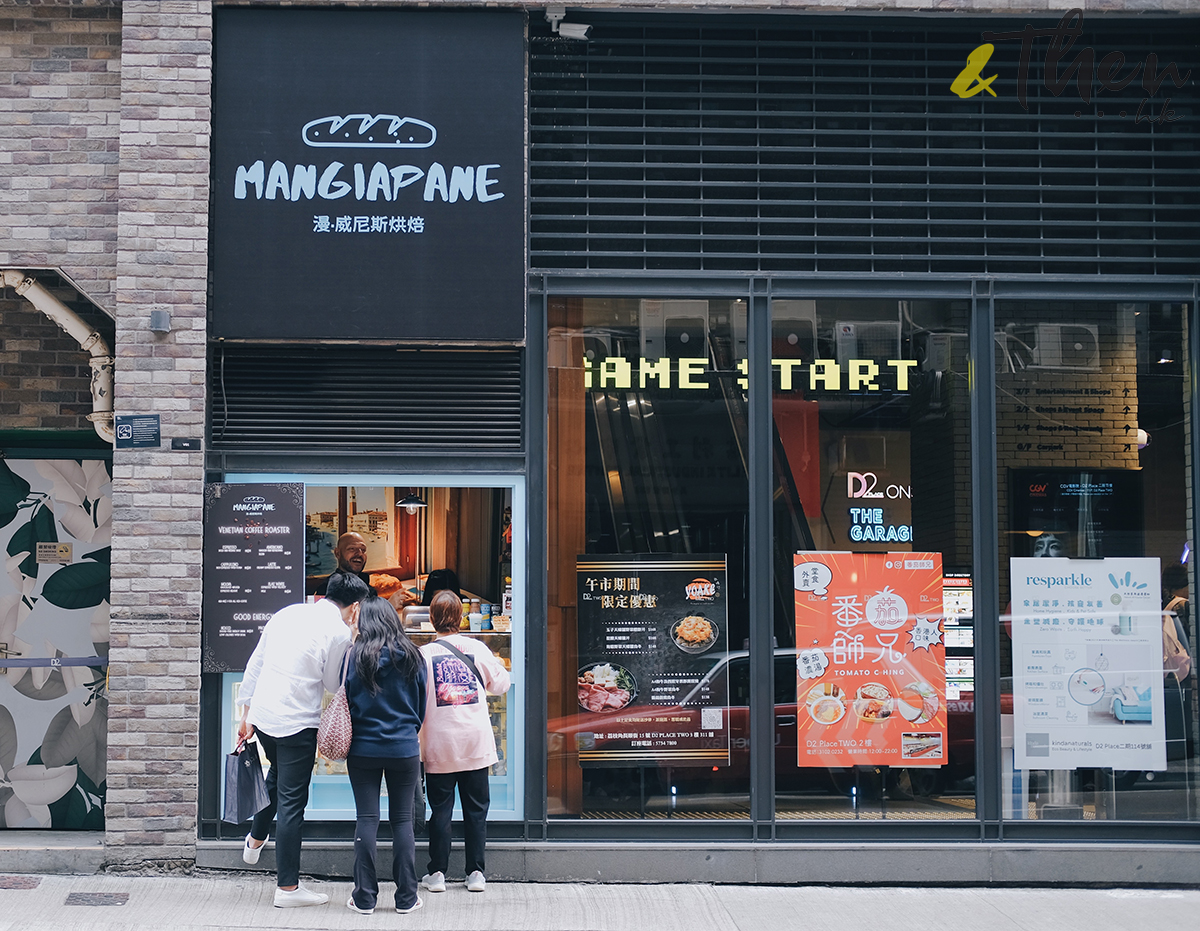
[[298, 658]]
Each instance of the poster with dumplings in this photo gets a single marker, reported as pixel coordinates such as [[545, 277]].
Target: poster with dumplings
[[871, 659]]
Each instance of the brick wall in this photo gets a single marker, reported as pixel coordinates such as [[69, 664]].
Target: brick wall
[[153, 767], [1059, 419], [60, 75], [44, 376]]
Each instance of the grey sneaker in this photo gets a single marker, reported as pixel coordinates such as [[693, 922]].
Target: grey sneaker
[[434, 882], [412, 908], [476, 882]]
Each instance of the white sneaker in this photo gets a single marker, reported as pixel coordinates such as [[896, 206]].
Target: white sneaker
[[354, 908], [476, 882], [298, 898], [251, 854], [434, 882], [412, 908]]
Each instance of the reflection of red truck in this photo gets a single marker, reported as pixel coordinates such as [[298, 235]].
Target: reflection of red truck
[[732, 670]]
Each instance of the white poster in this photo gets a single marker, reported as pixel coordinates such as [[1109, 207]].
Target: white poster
[[1087, 664]]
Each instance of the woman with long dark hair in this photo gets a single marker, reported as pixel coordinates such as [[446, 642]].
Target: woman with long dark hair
[[385, 688]]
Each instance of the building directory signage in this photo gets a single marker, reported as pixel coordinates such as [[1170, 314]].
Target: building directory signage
[[653, 637], [1084, 513], [368, 174], [1087, 664], [254, 538], [870, 660]]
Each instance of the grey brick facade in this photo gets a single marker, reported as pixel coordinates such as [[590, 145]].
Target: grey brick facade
[[157, 494], [60, 98]]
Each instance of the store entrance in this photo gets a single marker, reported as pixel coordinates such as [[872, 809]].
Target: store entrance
[[410, 536]]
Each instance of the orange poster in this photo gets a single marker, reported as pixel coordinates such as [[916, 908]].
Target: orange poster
[[871, 659]]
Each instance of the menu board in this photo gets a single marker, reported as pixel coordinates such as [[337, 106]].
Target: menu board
[[253, 566], [1087, 664], [653, 641], [870, 660]]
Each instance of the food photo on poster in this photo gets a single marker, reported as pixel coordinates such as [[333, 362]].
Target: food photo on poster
[[870, 662], [650, 628]]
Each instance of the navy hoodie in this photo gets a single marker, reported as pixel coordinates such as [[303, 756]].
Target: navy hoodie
[[385, 723]]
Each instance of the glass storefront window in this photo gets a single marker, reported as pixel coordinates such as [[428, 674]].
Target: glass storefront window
[[874, 619], [1092, 412], [415, 528], [648, 557]]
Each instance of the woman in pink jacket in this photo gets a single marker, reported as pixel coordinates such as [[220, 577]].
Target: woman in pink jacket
[[457, 745]]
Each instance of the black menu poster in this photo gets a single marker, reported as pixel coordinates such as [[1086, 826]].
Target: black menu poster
[[653, 633], [253, 566]]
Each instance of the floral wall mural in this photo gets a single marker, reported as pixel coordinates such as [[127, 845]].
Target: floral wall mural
[[54, 615]]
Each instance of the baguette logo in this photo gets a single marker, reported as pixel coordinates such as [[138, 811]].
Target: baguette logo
[[364, 131]]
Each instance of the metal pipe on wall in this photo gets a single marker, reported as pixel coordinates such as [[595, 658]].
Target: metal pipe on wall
[[101, 358]]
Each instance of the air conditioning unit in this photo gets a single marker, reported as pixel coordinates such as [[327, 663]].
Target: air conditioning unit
[[678, 329], [596, 348], [794, 330], [938, 351], [1071, 347], [871, 339]]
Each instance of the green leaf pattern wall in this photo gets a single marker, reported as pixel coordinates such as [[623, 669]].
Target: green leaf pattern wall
[[54, 719]]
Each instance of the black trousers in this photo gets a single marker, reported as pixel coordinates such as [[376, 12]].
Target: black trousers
[[292, 760], [366, 773], [475, 796]]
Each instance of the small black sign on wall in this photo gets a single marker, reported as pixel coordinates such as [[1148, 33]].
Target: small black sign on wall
[[368, 174], [137, 431]]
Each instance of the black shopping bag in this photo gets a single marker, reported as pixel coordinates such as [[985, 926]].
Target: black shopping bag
[[245, 788]]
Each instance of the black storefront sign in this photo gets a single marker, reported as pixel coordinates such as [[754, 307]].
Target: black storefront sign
[[368, 174], [653, 641], [254, 538]]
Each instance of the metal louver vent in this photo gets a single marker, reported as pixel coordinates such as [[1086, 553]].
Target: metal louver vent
[[350, 397], [811, 144]]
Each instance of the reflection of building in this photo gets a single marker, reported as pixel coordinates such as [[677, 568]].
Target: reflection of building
[[325, 520], [370, 522]]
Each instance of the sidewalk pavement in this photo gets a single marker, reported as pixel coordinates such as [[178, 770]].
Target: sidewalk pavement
[[123, 902]]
